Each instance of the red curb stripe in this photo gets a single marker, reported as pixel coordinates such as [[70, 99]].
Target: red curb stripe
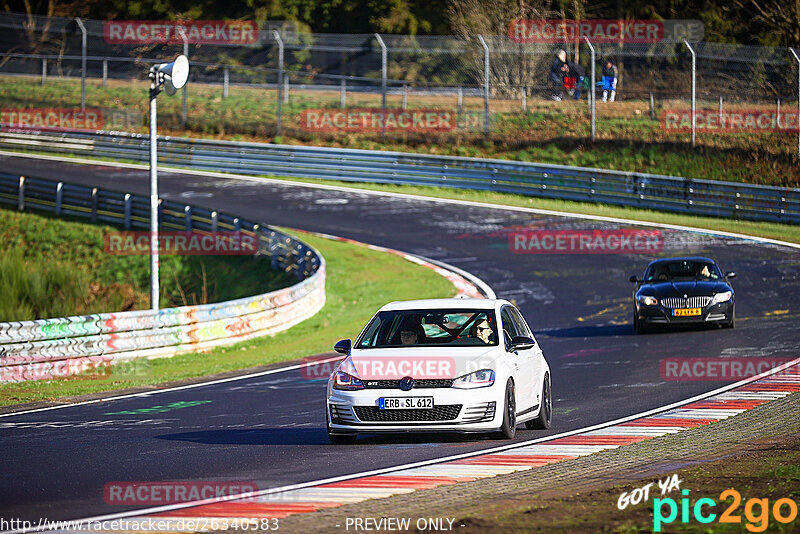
[[599, 440], [771, 387], [247, 509], [671, 421], [492, 459], [726, 404], [379, 481]]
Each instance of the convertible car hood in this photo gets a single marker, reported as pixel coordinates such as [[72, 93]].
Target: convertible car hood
[[422, 362], [686, 287]]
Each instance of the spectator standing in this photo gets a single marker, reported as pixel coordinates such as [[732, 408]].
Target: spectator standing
[[610, 77], [556, 75]]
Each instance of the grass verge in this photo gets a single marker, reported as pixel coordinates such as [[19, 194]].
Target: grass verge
[[359, 281], [55, 267]]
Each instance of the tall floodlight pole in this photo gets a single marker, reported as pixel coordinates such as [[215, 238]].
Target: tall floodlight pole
[[694, 91], [170, 77]]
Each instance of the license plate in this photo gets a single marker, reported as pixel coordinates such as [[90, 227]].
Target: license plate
[[405, 403], [686, 312]]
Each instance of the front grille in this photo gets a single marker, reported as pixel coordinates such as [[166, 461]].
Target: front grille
[[437, 413], [691, 302], [418, 384]]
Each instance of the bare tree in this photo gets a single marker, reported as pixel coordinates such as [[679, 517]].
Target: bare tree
[[513, 65]]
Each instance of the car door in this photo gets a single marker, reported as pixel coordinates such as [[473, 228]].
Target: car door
[[522, 362], [531, 357]]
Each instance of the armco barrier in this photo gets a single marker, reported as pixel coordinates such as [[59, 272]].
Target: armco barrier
[[51, 348], [650, 191]]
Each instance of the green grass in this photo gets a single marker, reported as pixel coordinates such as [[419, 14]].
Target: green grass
[[627, 138], [54, 268], [359, 281]]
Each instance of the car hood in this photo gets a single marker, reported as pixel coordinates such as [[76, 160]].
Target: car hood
[[693, 288], [423, 362]]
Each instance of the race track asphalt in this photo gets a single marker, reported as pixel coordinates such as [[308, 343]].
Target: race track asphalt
[[270, 430]]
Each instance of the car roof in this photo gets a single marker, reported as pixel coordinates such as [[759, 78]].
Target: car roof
[[682, 258], [453, 303]]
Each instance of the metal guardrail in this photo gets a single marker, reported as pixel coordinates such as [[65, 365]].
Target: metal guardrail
[[649, 191], [52, 348]]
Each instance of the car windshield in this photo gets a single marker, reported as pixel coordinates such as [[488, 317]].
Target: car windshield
[[682, 270], [430, 328]]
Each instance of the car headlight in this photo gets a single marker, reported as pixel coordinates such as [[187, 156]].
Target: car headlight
[[648, 300], [478, 379], [725, 296], [346, 382]]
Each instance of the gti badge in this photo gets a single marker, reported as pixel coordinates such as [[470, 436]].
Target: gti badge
[[406, 383]]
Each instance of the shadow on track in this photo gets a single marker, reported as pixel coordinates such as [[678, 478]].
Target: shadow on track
[[590, 331]]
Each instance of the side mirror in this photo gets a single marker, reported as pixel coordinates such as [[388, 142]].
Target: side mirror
[[633, 279], [343, 346], [730, 275], [522, 343]]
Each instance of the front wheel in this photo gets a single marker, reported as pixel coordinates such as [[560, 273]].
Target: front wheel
[[509, 428], [732, 322], [546, 411]]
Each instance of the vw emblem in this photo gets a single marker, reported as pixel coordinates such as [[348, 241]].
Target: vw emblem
[[406, 383]]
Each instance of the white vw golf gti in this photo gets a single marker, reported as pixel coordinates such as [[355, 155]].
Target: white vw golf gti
[[452, 365]]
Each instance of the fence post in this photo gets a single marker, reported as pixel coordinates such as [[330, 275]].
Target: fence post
[[485, 86], [214, 222], [127, 219], [59, 197], [524, 99], [460, 99], [405, 95], [591, 90], [185, 53], [694, 92], [83, 62], [94, 205], [187, 216], [44, 70], [225, 81], [343, 94], [105, 71], [778, 109], [21, 195], [652, 107], [720, 109], [797, 58], [383, 83], [286, 88], [278, 39]]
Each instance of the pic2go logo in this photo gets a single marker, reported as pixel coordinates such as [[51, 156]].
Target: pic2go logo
[[756, 511]]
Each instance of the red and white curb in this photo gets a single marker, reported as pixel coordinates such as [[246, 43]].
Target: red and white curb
[[511, 459]]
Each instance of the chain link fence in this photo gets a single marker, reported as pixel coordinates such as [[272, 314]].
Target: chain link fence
[[289, 83]]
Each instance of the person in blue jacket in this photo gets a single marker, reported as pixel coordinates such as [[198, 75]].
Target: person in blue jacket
[[610, 77]]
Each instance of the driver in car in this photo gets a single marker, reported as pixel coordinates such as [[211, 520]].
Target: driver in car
[[481, 330]]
